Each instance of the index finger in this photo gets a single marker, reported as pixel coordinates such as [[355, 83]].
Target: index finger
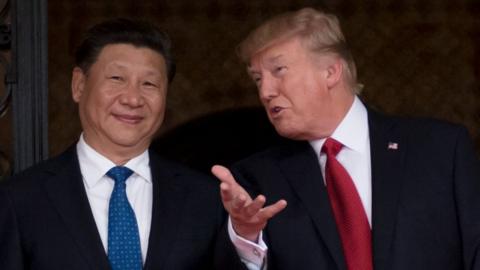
[[223, 174]]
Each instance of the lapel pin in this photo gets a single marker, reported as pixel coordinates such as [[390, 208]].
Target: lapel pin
[[392, 145]]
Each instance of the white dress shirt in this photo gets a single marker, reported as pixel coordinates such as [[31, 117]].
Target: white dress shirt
[[99, 187], [353, 133], [252, 254]]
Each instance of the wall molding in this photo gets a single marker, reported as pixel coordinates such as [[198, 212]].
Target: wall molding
[[28, 79]]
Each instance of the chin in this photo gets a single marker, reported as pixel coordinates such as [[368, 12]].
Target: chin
[[289, 133], [295, 132], [127, 140]]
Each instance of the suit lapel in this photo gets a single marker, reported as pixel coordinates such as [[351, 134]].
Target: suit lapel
[[388, 157], [308, 184], [67, 194], [168, 201]]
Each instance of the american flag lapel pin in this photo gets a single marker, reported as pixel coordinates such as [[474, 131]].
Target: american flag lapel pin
[[393, 146]]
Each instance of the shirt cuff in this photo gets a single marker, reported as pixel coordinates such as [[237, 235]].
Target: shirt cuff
[[249, 252]]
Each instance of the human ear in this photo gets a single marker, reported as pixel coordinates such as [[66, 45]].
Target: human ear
[[78, 83], [334, 72]]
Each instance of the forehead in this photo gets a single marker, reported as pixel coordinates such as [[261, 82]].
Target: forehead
[[127, 54], [279, 51], [125, 50]]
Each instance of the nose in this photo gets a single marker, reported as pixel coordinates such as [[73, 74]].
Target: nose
[[132, 96], [268, 88]]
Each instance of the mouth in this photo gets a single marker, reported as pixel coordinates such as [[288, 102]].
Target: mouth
[[128, 119], [275, 111]]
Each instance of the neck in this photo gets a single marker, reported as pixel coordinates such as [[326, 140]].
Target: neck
[[118, 154], [343, 101]]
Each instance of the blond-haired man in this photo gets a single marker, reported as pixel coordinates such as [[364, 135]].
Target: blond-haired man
[[364, 190]]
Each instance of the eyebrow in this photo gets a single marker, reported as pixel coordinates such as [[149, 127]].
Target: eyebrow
[[270, 60], [116, 64], [121, 66], [274, 58]]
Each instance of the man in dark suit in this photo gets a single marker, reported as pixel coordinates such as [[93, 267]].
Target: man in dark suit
[[108, 202], [364, 190]]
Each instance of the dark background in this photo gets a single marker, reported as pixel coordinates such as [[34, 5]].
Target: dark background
[[415, 58]]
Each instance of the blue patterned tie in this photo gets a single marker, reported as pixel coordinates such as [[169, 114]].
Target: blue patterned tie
[[124, 252]]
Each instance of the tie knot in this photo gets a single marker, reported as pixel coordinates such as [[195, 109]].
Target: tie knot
[[331, 147], [119, 173]]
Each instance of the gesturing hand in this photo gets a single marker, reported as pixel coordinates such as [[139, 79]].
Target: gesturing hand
[[249, 217]]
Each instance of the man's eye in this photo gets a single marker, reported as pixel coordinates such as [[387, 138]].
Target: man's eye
[[116, 78], [280, 69], [149, 84], [257, 80]]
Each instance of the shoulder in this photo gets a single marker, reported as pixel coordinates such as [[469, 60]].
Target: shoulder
[[426, 125], [426, 138], [271, 157], [197, 191], [163, 168], [27, 189], [37, 174], [417, 128]]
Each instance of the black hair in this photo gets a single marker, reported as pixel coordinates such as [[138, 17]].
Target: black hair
[[121, 30]]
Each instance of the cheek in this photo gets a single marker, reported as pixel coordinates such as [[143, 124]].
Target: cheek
[[89, 104], [103, 105], [307, 102], [157, 104], [99, 96]]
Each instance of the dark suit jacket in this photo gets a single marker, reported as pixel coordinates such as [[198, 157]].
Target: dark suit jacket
[[425, 200], [46, 221]]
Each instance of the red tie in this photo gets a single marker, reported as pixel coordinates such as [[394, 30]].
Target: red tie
[[350, 217]]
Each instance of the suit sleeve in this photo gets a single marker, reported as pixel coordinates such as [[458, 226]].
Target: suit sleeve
[[11, 256], [226, 257], [225, 254], [467, 193]]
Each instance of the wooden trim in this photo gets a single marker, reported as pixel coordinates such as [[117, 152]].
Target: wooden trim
[[29, 82]]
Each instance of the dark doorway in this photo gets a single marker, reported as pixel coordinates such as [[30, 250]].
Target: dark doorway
[[219, 138]]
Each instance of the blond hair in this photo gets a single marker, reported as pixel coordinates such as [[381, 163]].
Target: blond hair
[[320, 32]]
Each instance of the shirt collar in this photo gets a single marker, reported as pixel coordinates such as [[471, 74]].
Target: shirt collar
[[352, 131], [94, 166]]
